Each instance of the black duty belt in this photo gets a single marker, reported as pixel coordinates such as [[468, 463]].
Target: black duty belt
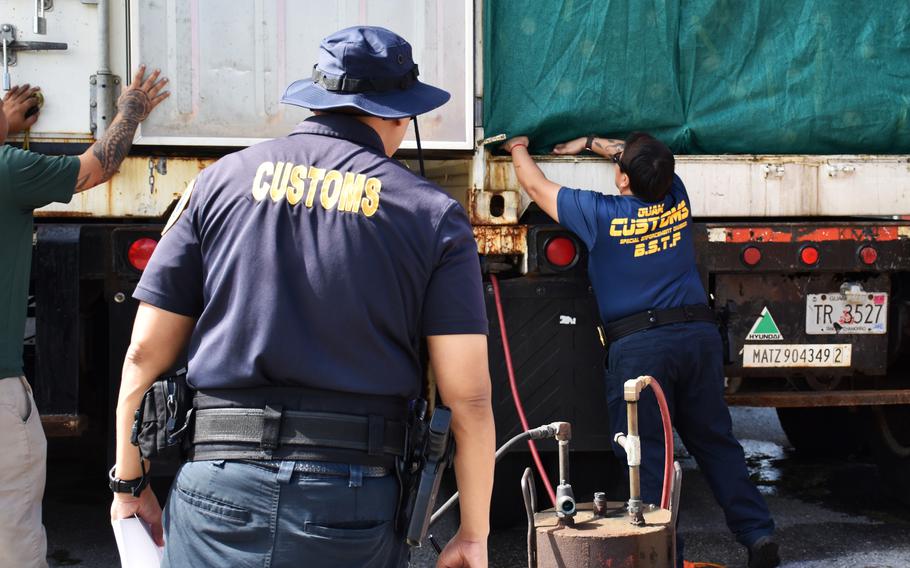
[[656, 318], [271, 433], [323, 468]]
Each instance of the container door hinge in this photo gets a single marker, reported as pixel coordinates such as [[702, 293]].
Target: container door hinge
[[105, 90], [773, 170], [838, 169]]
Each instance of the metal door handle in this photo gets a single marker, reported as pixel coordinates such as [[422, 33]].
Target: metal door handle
[[37, 46], [6, 34], [11, 48]]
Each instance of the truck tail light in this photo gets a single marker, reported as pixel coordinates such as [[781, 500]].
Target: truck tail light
[[751, 256], [561, 252], [809, 255], [868, 255], [140, 252]]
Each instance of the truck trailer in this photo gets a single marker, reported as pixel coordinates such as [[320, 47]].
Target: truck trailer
[[791, 126]]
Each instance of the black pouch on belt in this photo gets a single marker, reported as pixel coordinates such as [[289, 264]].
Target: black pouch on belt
[[163, 418]]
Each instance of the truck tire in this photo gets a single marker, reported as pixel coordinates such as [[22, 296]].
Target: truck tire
[[891, 448], [832, 432]]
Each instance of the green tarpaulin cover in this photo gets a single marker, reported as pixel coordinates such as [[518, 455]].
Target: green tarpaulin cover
[[705, 76]]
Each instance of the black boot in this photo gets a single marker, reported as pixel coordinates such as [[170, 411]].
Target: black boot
[[763, 553]]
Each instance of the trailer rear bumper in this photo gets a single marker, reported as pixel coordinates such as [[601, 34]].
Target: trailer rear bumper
[[820, 398], [64, 425]]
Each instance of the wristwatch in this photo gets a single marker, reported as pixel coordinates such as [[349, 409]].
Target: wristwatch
[[589, 141], [132, 486]]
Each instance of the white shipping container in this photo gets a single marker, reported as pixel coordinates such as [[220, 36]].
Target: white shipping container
[[229, 62]]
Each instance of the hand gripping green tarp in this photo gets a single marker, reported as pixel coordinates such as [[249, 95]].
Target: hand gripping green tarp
[[705, 76]]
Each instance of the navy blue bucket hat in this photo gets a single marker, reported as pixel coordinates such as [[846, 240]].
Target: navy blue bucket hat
[[369, 69]]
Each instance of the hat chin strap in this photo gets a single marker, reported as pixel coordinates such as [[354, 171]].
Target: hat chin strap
[[419, 149]]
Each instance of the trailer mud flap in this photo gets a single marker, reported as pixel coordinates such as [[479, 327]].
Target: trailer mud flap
[[56, 381], [557, 356]]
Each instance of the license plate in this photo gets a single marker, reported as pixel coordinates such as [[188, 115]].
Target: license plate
[[827, 355], [829, 314]]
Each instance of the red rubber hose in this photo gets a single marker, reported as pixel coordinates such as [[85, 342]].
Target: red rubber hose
[[668, 443], [514, 386]]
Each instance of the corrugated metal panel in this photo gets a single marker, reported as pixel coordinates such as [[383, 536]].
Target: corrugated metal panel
[[230, 61], [752, 186]]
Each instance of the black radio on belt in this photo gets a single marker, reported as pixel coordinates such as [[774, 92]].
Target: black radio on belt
[[162, 419], [434, 455]]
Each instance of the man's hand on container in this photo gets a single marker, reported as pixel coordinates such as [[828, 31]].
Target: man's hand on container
[[571, 147], [512, 143], [16, 103], [142, 96], [462, 552], [146, 507]]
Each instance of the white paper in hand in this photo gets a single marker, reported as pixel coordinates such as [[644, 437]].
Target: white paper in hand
[[135, 544]]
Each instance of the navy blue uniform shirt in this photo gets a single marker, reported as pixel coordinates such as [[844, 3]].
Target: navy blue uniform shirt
[[641, 255], [314, 260]]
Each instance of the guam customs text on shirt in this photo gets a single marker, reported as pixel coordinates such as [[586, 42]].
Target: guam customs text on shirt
[[641, 255], [316, 261]]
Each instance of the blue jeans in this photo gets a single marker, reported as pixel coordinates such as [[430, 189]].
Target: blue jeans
[[687, 361], [246, 514]]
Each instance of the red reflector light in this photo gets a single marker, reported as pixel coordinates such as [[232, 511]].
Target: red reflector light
[[140, 252], [809, 255], [751, 256], [868, 255], [560, 251]]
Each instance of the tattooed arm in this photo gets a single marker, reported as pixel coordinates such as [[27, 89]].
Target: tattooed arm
[[102, 160], [606, 147]]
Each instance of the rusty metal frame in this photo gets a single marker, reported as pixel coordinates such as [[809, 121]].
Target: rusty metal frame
[[501, 239], [138, 190], [481, 210]]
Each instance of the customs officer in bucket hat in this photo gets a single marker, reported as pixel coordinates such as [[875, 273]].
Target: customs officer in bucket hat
[[303, 273]]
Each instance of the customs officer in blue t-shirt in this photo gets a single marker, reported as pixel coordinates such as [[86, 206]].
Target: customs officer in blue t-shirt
[[303, 273], [656, 318]]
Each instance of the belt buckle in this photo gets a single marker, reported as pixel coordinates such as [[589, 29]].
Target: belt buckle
[[652, 318]]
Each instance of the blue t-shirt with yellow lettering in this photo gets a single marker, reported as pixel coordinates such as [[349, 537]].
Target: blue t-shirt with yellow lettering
[[641, 255], [316, 261]]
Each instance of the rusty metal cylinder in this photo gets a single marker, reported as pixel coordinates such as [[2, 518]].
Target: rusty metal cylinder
[[600, 504], [609, 541]]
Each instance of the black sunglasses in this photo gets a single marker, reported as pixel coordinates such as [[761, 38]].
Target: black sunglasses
[[617, 159]]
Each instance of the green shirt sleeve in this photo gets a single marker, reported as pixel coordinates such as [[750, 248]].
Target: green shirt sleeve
[[31, 180]]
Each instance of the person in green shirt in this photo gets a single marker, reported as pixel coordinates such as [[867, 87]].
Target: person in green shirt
[[29, 181]]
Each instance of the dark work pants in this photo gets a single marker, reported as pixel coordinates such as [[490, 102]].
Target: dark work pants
[[687, 360], [241, 514]]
